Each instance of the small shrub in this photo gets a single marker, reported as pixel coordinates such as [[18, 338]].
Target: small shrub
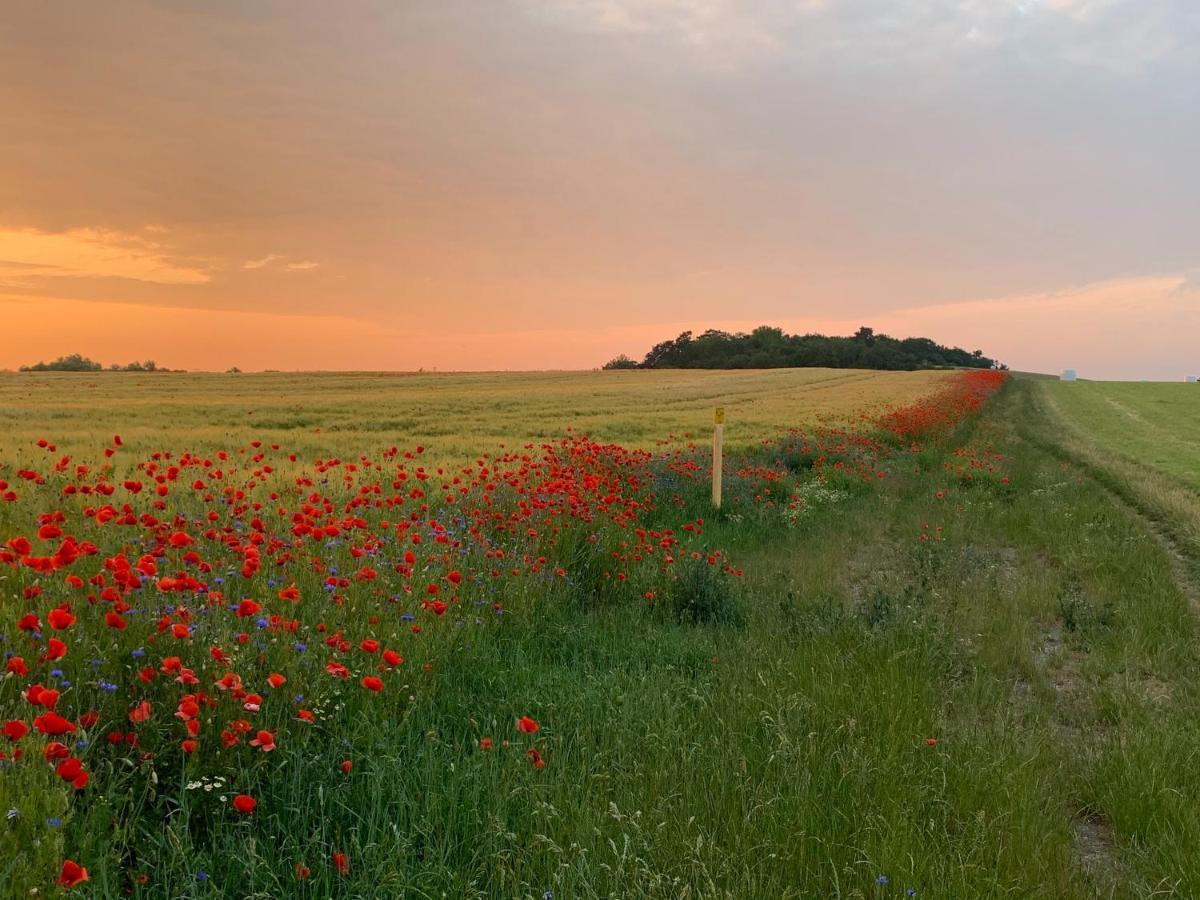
[[702, 594]]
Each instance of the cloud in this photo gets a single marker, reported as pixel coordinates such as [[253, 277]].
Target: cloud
[[259, 263], [271, 258], [91, 253], [1123, 36]]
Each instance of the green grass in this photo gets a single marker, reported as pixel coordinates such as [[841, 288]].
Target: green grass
[[1156, 425], [776, 745]]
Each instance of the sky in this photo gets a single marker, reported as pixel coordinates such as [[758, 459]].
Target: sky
[[511, 184]]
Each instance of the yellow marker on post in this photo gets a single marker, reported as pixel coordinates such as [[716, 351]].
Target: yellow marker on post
[[717, 458]]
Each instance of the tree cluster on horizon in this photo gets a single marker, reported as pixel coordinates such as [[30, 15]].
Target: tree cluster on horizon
[[77, 362], [767, 347]]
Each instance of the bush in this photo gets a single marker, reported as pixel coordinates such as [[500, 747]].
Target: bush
[[701, 594]]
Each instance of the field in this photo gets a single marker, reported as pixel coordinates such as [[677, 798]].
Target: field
[[1153, 425], [456, 416], [940, 641]]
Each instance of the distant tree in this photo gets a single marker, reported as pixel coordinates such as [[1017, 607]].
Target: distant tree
[[74, 362], [233, 370], [620, 362], [767, 347]]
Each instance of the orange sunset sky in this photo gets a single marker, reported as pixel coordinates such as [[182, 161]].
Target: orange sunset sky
[[509, 184]]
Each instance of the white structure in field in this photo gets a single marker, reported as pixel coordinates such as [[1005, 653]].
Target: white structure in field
[[1192, 379], [1067, 375]]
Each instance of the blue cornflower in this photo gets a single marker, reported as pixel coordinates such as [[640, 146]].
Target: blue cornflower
[[107, 686], [139, 653], [56, 673], [882, 879], [261, 622], [54, 822], [911, 892], [202, 876], [299, 646]]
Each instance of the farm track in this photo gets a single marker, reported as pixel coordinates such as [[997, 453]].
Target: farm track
[[1184, 558], [1094, 845]]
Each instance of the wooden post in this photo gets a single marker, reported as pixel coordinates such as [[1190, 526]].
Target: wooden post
[[717, 456]]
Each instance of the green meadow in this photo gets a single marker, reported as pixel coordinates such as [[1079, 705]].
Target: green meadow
[[975, 678]]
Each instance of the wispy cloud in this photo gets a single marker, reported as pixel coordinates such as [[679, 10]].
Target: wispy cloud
[[271, 259], [260, 263], [92, 253], [1119, 35]]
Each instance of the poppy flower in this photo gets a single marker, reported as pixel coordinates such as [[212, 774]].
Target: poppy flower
[[244, 803], [485, 743], [55, 649], [60, 619], [265, 740], [15, 729], [69, 769], [535, 759], [52, 723], [373, 683], [276, 680], [347, 765], [526, 725], [56, 750], [72, 874], [342, 863]]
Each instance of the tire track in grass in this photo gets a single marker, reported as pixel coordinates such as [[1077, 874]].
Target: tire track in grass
[[1095, 843]]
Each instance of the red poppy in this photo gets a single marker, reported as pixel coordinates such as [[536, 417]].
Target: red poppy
[[347, 765], [15, 729], [56, 750], [52, 723], [526, 725], [276, 680], [60, 618], [535, 759], [373, 683], [244, 803], [72, 874], [265, 740], [342, 863]]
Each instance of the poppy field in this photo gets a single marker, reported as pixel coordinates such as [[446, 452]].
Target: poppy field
[[922, 650]]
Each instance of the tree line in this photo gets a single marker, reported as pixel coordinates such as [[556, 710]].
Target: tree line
[[770, 348], [77, 362]]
